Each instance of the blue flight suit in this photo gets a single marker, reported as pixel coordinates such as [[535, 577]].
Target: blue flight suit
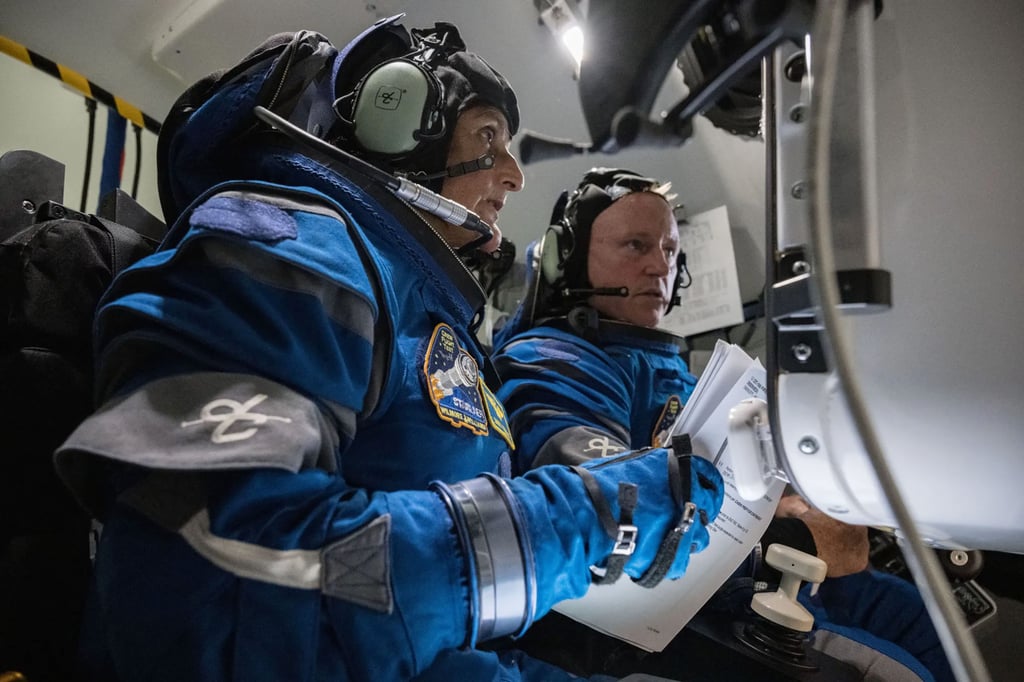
[[297, 458], [281, 383], [571, 398], [264, 346]]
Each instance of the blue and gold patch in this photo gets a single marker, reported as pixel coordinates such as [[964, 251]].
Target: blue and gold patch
[[496, 415], [663, 427], [454, 382]]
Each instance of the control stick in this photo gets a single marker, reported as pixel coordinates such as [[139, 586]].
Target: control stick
[[779, 628]]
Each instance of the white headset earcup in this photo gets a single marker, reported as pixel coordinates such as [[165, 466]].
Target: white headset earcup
[[389, 107], [550, 258]]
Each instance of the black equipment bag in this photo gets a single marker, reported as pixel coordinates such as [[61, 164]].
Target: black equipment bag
[[55, 263]]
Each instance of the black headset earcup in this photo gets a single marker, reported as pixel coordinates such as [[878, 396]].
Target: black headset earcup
[[395, 106], [556, 246], [682, 281]]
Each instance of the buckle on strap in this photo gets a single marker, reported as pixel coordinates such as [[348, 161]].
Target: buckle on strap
[[686, 519], [625, 542]]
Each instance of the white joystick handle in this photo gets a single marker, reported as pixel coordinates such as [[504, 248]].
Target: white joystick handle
[[781, 606]]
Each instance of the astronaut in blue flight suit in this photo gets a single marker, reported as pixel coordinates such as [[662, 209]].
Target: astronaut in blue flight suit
[[581, 387], [587, 374], [300, 466]]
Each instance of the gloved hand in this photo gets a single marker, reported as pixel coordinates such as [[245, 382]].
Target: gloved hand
[[663, 549], [538, 539], [579, 521]]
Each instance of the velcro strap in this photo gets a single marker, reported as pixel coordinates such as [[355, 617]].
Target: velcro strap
[[604, 512], [656, 572], [625, 538], [679, 469], [623, 532], [680, 479]]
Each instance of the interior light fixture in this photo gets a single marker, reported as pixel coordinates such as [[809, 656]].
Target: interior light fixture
[[562, 17]]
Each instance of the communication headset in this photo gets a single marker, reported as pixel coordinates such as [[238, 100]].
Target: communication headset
[[403, 109], [557, 246], [563, 260], [398, 106]]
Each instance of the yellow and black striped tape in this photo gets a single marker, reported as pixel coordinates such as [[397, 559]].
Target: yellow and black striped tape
[[80, 83]]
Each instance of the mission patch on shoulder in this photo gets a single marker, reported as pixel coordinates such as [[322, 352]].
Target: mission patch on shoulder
[[454, 381]]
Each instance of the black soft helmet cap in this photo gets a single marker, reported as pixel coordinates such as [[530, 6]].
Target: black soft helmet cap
[[599, 188], [468, 80]]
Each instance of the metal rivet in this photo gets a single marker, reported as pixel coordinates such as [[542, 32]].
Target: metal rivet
[[958, 557], [28, 206], [795, 68], [808, 445], [798, 113], [802, 352], [799, 190], [801, 267]]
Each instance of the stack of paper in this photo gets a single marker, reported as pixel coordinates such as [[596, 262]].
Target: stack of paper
[[650, 618]]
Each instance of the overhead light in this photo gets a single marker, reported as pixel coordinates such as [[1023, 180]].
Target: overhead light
[[572, 37], [562, 19]]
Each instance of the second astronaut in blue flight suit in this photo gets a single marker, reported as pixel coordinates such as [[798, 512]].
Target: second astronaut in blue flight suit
[[298, 460], [586, 374]]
